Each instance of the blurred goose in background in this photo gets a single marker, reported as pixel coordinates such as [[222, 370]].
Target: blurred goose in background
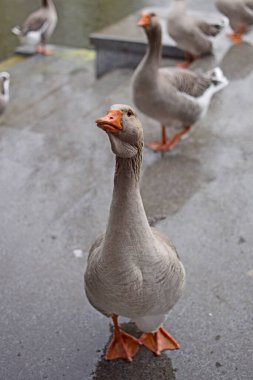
[[171, 96], [4, 91], [240, 15], [38, 28], [133, 270], [191, 33]]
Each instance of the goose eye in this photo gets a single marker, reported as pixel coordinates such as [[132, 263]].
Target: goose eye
[[129, 113]]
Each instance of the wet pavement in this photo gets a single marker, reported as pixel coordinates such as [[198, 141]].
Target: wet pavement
[[56, 183]]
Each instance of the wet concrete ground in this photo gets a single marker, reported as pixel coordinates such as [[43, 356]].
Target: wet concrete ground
[[56, 183]]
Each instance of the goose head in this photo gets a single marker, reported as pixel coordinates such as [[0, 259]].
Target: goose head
[[124, 130], [149, 22]]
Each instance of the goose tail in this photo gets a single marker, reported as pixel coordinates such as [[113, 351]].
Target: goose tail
[[222, 24], [218, 79], [213, 29], [218, 82], [16, 30]]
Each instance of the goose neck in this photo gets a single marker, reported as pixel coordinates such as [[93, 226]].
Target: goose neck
[[179, 6], [47, 3], [127, 171], [127, 221], [154, 51]]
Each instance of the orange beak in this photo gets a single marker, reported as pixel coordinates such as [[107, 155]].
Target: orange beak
[[145, 20], [111, 122]]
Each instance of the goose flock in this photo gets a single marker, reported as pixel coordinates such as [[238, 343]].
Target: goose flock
[[133, 270]]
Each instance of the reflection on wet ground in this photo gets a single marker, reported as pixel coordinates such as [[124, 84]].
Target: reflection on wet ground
[[144, 366], [234, 64], [163, 190]]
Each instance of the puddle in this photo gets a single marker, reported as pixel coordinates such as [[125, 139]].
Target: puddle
[[145, 365], [237, 63], [168, 183]]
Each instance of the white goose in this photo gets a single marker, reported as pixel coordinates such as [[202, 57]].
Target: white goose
[[133, 270], [38, 27], [4, 91], [171, 96]]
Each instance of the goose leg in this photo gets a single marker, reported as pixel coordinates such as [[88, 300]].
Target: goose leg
[[189, 58], [162, 145], [159, 341], [122, 345], [44, 50], [178, 136], [165, 144]]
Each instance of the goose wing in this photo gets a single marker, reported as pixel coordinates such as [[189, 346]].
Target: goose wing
[[37, 21], [160, 236], [187, 82], [94, 251], [249, 4], [97, 244], [189, 36], [210, 29]]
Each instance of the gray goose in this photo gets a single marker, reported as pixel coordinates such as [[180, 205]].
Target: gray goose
[[133, 270], [191, 33], [4, 91], [38, 27], [240, 15], [171, 96]]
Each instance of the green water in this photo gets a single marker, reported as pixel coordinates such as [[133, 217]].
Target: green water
[[77, 18]]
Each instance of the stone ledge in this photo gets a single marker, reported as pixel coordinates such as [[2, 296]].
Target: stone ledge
[[123, 44]]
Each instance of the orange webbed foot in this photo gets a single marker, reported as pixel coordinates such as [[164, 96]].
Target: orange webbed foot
[[235, 38], [159, 341], [43, 50], [122, 345]]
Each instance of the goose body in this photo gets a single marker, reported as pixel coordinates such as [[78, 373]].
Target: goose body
[[38, 27], [171, 95], [133, 270], [4, 91], [192, 34], [240, 15]]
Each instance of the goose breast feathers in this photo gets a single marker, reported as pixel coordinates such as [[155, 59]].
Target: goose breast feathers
[[148, 286]]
